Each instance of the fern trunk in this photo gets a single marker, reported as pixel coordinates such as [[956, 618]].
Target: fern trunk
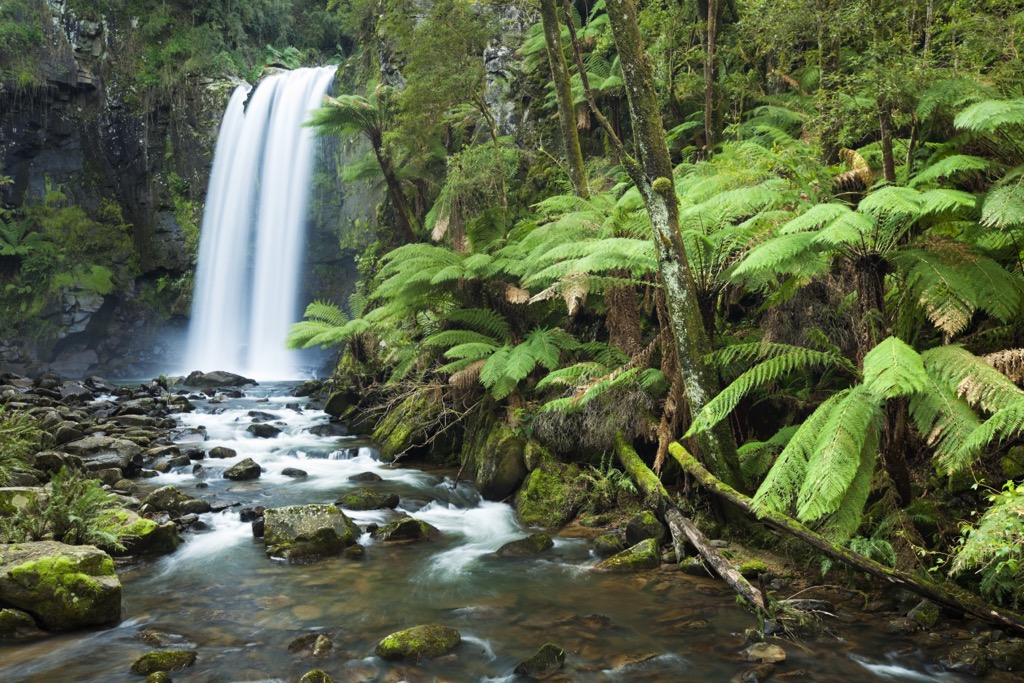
[[709, 79], [888, 159], [652, 174], [407, 221], [563, 95]]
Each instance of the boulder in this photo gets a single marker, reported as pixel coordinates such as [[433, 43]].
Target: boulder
[[15, 499], [547, 661], [16, 625], [63, 587], [546, 497], [142, 536], [307, 532], [262, 430], [294, 472], [163, 660], [406, 529], [316, 676], [366, 477], [218, 378], [307, 388], [103, 452], [533, 544], [642, 556], [968, 659], [643, 526], [222, 452], [365, 499], [926, 613], [329, 429], [1006, 655], [419, 642], [495, 461], [245, 470], [608, 544], [170, 499]]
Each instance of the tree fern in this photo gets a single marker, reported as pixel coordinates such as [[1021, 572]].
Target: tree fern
[[778, 361], [833, 464]]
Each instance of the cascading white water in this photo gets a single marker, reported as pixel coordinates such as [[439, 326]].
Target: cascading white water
[[253, 234]]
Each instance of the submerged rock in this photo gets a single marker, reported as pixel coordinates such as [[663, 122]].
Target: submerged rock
[[366, 477], [406, 529], [163, 660], [418, 642], [245, 470], [307, 532], [547, 661], [644, 555], [755, 674], [63, 587], [765, 653], [532, 545], [222, 452], [316, 676], [365, 499]]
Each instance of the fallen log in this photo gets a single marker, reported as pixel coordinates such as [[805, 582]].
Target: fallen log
[[946, 594], [656, 496]]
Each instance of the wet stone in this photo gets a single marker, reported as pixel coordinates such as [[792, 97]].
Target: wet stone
[[755, 674], [262, 430], [222, 452], [245, 470], [294, 472], [418, 642], [163, 660], [530, 546], [765, 653], [366, 477], [547, 661]]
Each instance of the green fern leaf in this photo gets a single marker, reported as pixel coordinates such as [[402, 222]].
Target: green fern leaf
[[833, 464], [892, 368], [945, 421]]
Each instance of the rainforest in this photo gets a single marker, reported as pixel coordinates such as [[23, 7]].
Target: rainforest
[[508, 340]]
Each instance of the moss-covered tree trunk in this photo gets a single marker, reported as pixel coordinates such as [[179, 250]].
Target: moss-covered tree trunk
[[563, 95], [407, 220], [709, 78], [652, 173]]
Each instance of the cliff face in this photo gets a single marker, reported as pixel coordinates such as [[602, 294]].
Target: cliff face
[[79, 136]]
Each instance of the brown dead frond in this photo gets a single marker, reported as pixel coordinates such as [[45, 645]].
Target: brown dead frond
[[516, 295], [467, 377], [1010, 362], [859, 176]]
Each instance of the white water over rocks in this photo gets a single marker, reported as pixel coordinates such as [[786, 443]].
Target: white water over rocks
[[254, 224]]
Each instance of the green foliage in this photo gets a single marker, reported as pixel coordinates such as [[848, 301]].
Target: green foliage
[[74, 510], [20, 437], [993, 549]]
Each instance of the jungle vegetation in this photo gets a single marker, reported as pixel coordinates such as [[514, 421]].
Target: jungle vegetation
[[793, 226]]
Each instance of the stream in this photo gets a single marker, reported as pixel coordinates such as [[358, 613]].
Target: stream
[[240, 609]]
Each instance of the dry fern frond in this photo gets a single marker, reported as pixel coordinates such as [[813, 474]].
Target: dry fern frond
[[441, 225], [582, 118], [1009, 362], [516, 295], [467, 377], [859, 177]]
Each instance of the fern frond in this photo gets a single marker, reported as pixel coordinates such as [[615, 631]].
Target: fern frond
[[765, 372], [842, 524], [778, 492], [989, 116], [452, 338], [892, 368], [774, 256], [836, 458], [894, 201], [945, 421], [483, 320], [971, 377], [1004, 206], [1010, 362], [948, 167]]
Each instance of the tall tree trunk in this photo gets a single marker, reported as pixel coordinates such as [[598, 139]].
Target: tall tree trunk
[[652, 174], [407, 221], [563, 95], [888, 160], [709, 79]]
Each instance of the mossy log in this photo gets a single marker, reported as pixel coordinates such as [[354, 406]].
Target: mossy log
[[946, 594], [654, 492]]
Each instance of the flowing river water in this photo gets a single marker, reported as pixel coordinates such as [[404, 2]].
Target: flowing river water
[[240, 609]]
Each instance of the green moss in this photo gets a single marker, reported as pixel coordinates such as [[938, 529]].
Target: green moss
[[66, 592], [547, 497], [316, 676], [751, 568], [418, 642], [163, 660], [644, 555]]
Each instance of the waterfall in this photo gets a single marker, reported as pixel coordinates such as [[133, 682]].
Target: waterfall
[[253, 232]]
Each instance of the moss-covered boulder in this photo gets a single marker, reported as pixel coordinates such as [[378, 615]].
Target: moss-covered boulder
[[217, 378], [163, 660], [926, 613], [407, 424], [494, 459], [367, 499], [316, 676], [419, 642], [547, 497], [608, 544], [142, 536], [307, 532], [645, 525], [547, 661], [407, 529], [17, 499], [15, 625], [533, 544], [159, 677], [63, 587], [642, 556], [967, 659], [170, 499]]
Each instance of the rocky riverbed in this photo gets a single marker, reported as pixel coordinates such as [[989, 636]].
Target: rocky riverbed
[[267, 542]]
